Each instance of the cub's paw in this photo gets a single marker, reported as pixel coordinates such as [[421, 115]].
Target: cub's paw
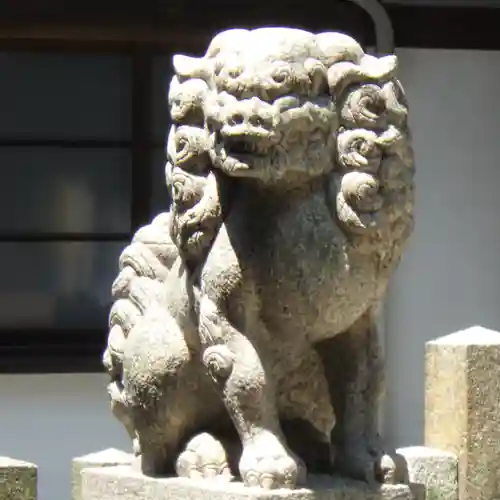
[[203, 458]]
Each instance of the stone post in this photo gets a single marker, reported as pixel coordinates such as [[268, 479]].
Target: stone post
[[432, 474], [462, 407], [18, 480], [104, 458]]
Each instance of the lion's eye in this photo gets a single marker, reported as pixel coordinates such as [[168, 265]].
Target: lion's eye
[[234, 72], [281, 75]]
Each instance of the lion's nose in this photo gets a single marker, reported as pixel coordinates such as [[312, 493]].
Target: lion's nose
[[237, 118], [252, 115]]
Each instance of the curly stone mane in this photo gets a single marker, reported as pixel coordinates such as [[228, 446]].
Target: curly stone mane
[[143, 267]]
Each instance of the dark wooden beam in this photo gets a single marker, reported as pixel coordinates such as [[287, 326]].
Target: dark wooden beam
[[175, 29], [68, 237], [446, 28], [6, 142], [94, 37], [164, 25], [52, 351]]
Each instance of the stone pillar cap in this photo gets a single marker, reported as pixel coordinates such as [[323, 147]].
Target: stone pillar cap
[[474, 335], [9, 462], [108, 455]]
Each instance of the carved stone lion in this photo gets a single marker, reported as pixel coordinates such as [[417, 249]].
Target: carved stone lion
[[250, 306]]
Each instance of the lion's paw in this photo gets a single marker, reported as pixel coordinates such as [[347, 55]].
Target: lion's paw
[[203, 458], [266, 463], [388, 469], [363, 464], [385, 469]]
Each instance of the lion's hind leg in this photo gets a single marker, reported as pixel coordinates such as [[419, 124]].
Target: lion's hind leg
[[306, 409]]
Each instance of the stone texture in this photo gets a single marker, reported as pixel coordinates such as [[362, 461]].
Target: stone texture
[[432, 474], [123, 483], [105, 458], [290, 168], [18, 480], [462, 413]]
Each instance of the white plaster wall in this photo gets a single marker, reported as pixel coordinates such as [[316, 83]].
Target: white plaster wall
[[50, 419], [449, 278]]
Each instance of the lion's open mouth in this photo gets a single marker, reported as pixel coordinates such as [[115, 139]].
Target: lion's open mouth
[[239, 146], [240, 154], [245, 148]]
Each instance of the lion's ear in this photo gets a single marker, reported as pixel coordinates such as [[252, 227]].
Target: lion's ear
[[187, 67], [371, 68], [379, 67]]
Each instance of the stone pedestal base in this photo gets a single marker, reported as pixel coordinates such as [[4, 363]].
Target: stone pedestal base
[[18, 480], [124, 483], [104, 458]]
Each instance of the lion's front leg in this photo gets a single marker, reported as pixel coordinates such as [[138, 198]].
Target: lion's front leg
[[360, 451], [238, 364]]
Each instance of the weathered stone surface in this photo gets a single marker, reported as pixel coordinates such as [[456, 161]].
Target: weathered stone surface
[[462, 412], [290, 168], [18, 480], [433, 474], [104, 458], [123, 483]]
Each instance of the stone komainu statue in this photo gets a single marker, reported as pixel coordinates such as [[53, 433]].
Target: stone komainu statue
[[242, 334]]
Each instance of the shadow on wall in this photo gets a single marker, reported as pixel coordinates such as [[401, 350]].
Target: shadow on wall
[[450, 276]]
